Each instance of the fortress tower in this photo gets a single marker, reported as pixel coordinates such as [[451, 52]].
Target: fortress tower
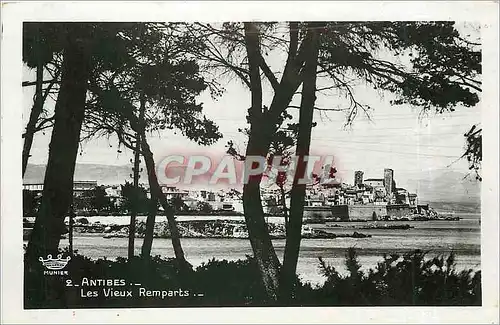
[[358, 178], [389, 180]]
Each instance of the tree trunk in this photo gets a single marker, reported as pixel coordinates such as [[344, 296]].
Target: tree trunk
[[284, 207], [135, 199], [297, 196], [155, 188], [258, 145], [36, 110], [57, 194], [147, 244], [157, 193], [260, 240], [262, 128], [135, 205], [262, 247]]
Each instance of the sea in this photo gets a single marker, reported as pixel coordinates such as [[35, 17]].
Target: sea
[[436, 237]]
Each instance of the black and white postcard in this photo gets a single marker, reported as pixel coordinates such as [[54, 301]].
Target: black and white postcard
[[247, 161]]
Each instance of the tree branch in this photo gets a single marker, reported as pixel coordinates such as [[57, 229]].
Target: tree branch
[[322, 109], [253, 50], [33, 83], [269, 74]]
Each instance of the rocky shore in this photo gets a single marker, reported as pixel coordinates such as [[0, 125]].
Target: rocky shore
[[201, 229], [373, 226]]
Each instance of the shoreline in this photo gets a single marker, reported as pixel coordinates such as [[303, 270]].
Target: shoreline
[[232, 226], [207, 229]]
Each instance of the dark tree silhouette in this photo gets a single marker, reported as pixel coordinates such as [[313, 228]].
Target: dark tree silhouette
[[134, 198], [297, 195], [474, 150], [442, 72], [87, 49], [58, 184], [31, 202], [163, 80]]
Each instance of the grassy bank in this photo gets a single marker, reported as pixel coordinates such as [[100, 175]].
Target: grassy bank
[[410, 279]]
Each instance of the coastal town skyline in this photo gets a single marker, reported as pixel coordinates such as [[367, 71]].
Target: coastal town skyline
[[449, 187], [423, 149], [365, 199], [121, 175]]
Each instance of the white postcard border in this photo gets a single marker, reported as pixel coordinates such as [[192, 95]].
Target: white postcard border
[[13, 14]]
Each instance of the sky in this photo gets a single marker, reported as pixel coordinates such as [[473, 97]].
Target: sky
[[396, 137]]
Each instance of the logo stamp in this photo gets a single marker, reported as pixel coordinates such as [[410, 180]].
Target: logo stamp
[[55, 266]]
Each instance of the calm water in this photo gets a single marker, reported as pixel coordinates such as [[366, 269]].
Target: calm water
[[463, 237]]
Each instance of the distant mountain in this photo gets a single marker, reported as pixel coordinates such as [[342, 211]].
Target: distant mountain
[[446, 186], [459, 207], [103, 174]]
